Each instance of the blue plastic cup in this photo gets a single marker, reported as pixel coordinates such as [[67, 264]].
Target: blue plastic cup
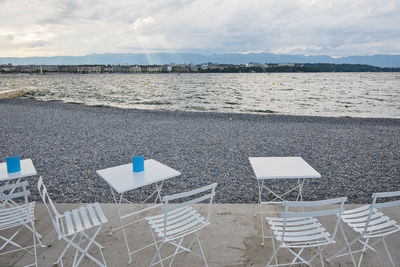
[[138, 162], [13, 164]]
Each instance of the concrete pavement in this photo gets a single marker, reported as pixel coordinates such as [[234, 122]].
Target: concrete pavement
[[8, 93], [232, 239]]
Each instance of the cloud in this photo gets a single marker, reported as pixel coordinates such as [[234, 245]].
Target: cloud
[[336, 28], [141, 23], [37, 43], [8, 37]]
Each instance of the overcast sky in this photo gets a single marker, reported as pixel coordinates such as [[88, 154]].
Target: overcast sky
[[310, 27]]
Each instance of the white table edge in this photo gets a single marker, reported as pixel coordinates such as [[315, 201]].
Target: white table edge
[[21, 176], [317, 175], [289, 177], [133, 188]]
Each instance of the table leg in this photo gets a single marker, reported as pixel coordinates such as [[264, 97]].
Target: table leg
[[260, 189], [159, 188], [11, 191], [118, 204], [300, 186]]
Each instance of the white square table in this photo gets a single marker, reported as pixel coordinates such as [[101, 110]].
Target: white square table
[[27, 170], [122, 179], [275, 168]]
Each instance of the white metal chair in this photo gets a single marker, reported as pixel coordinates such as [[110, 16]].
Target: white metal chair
[[74, 223], [301, 229], [370, 223], [17, 217], [180, 220]]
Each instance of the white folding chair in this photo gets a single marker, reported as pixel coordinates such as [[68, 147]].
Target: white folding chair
[[74, 223], [17, 217], [299, 229], [180, 220], [370, 223]]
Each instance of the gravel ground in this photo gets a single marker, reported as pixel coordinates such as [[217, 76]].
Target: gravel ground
[[69, 142]]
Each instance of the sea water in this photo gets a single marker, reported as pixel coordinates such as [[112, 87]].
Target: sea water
[[316, 94]]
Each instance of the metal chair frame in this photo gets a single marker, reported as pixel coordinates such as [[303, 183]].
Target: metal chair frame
[[74, 223], [179, 221], [17, 216], [278, 199], [370, 223], [301, 229]]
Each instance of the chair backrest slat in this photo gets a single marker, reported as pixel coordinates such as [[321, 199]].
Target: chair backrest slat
[[307, 214], [374, 205], [168, 207], [387, 204], [315, 203], [13, 216], [190, 193], [172, 206], [313, 213], [386, 194]]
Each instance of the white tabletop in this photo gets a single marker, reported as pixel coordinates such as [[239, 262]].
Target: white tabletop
[[123, 179], [27, 169], [282, 168]]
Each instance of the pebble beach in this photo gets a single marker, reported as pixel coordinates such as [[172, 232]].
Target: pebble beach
[[68, 142]]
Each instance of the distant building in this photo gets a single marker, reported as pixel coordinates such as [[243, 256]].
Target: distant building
[[154, 69], [180, 68], [253, 64], [67, 68], [135, 69], [286, 65], [166, 68], [108, 69], [7, 68], [215, 67], [204, 67], [193, 67], [89, 69], [24, 69]]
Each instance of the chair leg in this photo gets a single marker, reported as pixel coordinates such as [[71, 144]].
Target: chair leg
[[320, 256], [158, 248], [70, 242], [319, 253], [9, 241], [363, 252], [273, 246], [94, 242], [65, 250], [34, 235], [273, 256], [201, 249], [102, 256], [297, 256], [176, 252], [76, 252], [85, 253], [261, 214], [388, 252], [346, 247]]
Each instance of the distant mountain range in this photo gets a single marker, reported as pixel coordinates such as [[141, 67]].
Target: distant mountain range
[[180, 58]]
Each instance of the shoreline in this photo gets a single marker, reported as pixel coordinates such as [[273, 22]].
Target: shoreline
[[259, 113], [69, 142]]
